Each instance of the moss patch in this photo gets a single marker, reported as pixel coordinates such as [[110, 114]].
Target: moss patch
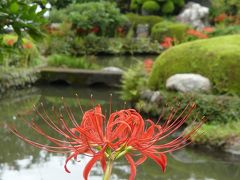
[[215, 58]]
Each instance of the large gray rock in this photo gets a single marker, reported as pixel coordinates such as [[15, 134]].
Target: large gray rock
[[195, 15], [188, 83]]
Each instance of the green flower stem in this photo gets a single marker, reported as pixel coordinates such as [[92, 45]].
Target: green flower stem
[[108, 171]]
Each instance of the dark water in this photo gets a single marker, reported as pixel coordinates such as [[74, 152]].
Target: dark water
[[20, 161]]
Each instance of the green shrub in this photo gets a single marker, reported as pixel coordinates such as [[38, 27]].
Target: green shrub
[[168, 7], [138, 19], [26, 55], [231, 7], [133, 82], [179, 3], [167, 28], [161, 7], [101, 17], [60, 60], [135, 4], [57, 16], [217, 109], [218, 135], [216, 58], [151, 7], [226, 30]]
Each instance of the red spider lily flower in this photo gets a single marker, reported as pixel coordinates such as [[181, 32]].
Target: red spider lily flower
[[27, 45], [124, 134], [10, 42], [148, 64], [221, 17], [95, 29], [208, 29], [197, 34], [167, 42]]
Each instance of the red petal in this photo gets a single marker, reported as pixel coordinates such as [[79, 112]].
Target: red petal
[[90, 164], [141, 160], [132, 166], [161, 160], [74, 155]]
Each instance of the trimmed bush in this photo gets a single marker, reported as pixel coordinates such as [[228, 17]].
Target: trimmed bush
[[216, 58], [179, 3], [138, 19], [135, 4], [167, 28], [151, 7], [168, 7]]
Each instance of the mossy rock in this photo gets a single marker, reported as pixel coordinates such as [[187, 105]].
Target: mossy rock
[[217, 59], [168, 28]]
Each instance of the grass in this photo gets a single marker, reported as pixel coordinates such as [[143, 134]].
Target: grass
[[60, 60]]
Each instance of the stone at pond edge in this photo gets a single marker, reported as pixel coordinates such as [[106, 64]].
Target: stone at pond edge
[[233, 146], [151, 96], [188, 83], [112, 69]]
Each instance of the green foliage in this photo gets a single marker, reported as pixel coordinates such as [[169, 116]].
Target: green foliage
[[91, 44], [217, 135], [103, 16], [135, 5], [151, 7], [26, 55], [231, 7], [133, 82], [21, 16], [136, 19], [168, 7], [217, 109], [57, 16], [216, 58], [161, 7], [60, 60], [226, 30], [179, 3], [170, 29]]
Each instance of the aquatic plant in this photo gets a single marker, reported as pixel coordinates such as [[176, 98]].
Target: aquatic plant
[[124, 134]]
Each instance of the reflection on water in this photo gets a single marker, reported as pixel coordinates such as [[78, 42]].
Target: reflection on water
[[24, 162]]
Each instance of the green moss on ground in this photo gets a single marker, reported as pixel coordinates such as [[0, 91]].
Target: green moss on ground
[[215, 58], [218, 135]]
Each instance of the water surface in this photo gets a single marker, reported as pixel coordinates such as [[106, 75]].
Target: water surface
[[21, 161]]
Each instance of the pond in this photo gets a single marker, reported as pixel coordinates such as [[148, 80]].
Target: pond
[[121, 61], [21, 161]]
